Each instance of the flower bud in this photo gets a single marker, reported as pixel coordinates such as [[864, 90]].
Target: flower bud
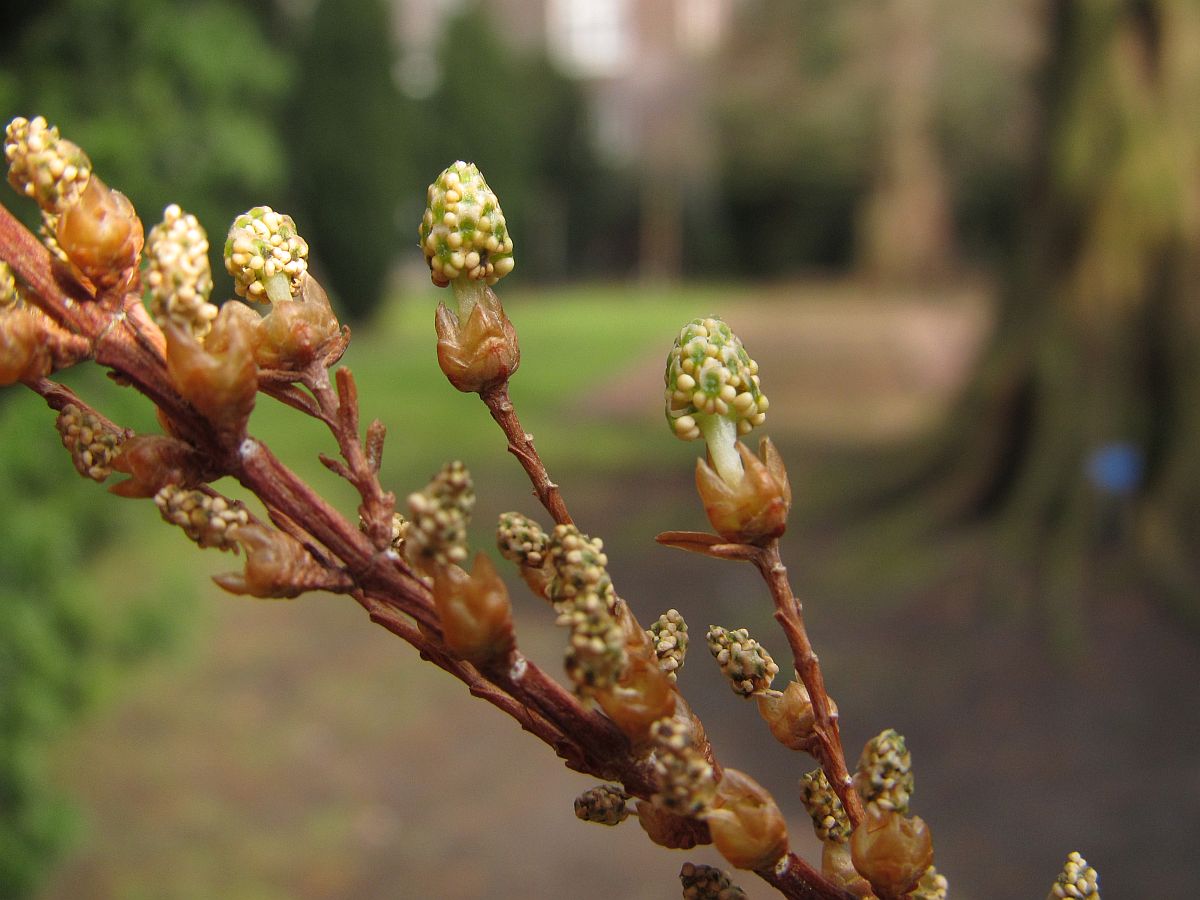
[[667, 829], [10, 294], [475, 612], [439, 515], [825, 808], [755, 509], [277, 565], [102, 235], [596, 656], [891, 851], [207, 520], [44, 166], [265, 255], [480, 352], [1077, 880], [153, 461], [640, 697], [686, 782], [932, 886], [708, 883], [838, 867], [92, 443], [463, 232], [885, 776], [522, 541], [746, 824], [24, 352], [712, 391], [578, 562], [744, 662], [178, 277], [218, 377], [296, 332], [790, 716], [670, 638], [604, 804]]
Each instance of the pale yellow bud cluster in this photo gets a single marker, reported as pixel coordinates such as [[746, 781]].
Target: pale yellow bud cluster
[[439, 515], [179, 277], [746, 664], [522, 540], [1077, 880], [708, 883], [265, 255], [10, 296], [710, 374], [43, 165], [400, 526], [92, 444], [932, 886], [885, 776], [605, 804], [579, 565], [686, 782], [207, 520], [463, 232], [670, 638], [828, 814], [596, 655]]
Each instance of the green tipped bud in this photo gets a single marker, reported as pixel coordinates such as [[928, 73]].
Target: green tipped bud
[[670, 638], [44, 166], [712, 390], [744, 661], [828, 814], [708, 883], [439, 515], [687, 784], [1077, 880], [179, 277], [596, 656], [9, 294], [605, 804], [885, 777], [265, 255], [463, 233], [209, 521]]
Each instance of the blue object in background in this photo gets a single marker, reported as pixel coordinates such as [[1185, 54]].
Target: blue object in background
[[1116, 468]]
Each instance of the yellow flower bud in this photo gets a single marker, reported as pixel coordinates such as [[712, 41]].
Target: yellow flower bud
[[891, 851], [746, 824], [474, 611], [755, 509]]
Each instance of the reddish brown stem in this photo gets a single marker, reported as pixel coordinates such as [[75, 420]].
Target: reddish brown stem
[[790, 615], [520, 445]]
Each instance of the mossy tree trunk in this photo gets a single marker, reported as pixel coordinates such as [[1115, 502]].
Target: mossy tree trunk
[[1098, 344]]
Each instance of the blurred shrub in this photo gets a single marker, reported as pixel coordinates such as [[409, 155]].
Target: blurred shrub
[[58, 646], [174, 100]]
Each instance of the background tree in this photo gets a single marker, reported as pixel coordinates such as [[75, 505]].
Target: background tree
[[1080, 430], [350, 136]]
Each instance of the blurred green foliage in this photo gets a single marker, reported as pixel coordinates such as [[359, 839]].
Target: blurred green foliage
[[61, 641], [174, 101]]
